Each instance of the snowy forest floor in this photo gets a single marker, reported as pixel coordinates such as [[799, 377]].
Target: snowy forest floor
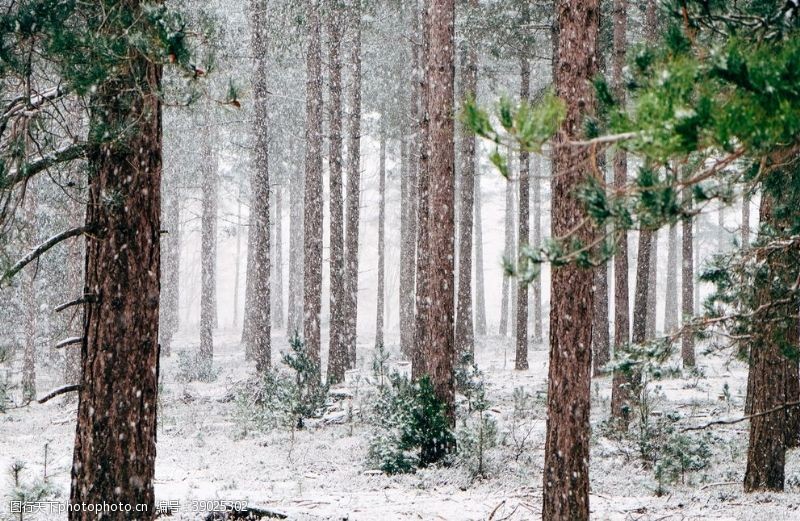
[[322, 472]]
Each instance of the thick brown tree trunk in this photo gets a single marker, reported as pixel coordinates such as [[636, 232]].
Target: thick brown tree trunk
[[312, 279], [465, 329], [523, 238], [380, 308], [353, 183], [435, 324], [337, 347], [566, 464], [261, 329], [115, 441]]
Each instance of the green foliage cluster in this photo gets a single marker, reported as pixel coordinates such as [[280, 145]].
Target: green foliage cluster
[[412, 429], [284, 397]]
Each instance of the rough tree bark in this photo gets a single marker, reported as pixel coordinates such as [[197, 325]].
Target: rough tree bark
[[353, 183], [312, 279], [465, 329], [115, 441], [523, 238], [337, 348], [435, 326], [261, 330], [652, 287], [566, 464], [380, 308]]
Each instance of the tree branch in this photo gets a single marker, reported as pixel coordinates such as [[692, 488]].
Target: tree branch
[[39, 250], [69, 341], [743, 418], [85, 299], [59, 391], [28, 170]]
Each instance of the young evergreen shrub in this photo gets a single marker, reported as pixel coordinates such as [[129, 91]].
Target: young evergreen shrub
[[477, 436], [412, 428]]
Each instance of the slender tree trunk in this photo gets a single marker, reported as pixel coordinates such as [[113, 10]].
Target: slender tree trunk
[[521, 359], [566, 463], [480, 285], [115, 440], [465, 329], [277, 261], [652, 287], [746, 220], [671, 297], [353, 184], [687, 284], [337, 349], [28, 297], [250, 278], [261, 331], [510, 255], [312, 291], [75, 266], [601, 342], [237, 261], [406, 293], [620, 388], [435, 328], [296, 254], [536, 187], [381, 307], [208, 247]]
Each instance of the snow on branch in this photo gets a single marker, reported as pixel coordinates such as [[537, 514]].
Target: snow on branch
[[86, 298], [69, 341], [65, 153], [39, 250]]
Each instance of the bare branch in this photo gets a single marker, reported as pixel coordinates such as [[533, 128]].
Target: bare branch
[[39, 250], [62, 155], [69, 341], [59, 391], [732, 421], [85, 299]]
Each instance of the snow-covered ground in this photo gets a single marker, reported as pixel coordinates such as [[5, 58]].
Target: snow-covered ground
[[322, 472]]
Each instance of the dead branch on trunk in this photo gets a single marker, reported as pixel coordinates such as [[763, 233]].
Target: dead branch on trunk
[[743, 418], [39, 250], [69, 342], [59, 391], [87, 298]]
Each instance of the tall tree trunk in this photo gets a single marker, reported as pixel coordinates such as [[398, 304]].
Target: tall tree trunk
[[353, 184], [75, 265], [746, 220], [480, 282], [277, 261], [115, 440], [652, 287], [773, 378], [620, 388], [510, 255], [566, 463], [406, 293], [536, 187], [337, 349], [521, 338], [465, 329], [671, 297], [312, 279], [687, 283], [260, 324], [250, 277], [237, 261], [380, 308], [296, 241], [28, 297], [437, 220], [208, 247], [421, 274]]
